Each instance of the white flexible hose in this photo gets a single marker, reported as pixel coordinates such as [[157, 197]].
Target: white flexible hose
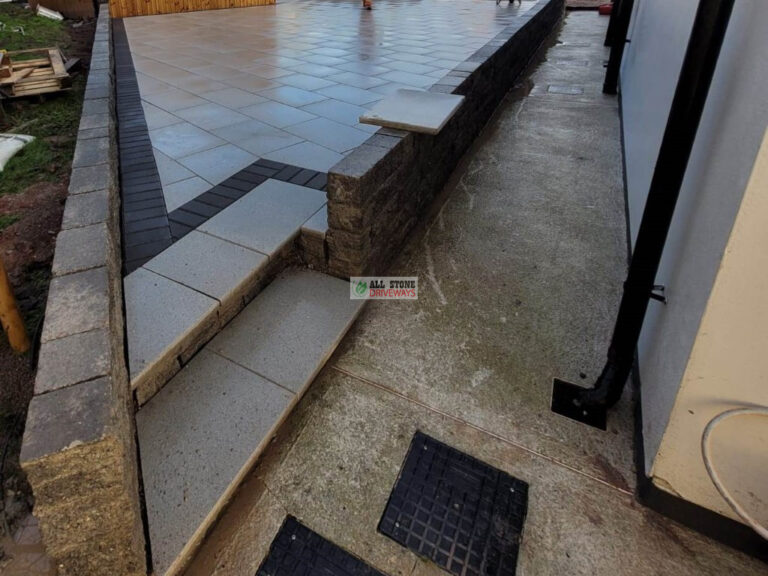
[[715, 477]]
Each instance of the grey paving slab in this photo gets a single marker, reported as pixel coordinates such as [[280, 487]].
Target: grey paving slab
[[318, 223], [267, 217], [363, 81], [330, 134], [277, 114], [159, 315], [409, 79], [257, 137], [337, 110], [305, 81], [350, 94], [173, 99], [196, 436], [182, 140], [414, 110], [157, 117], [181, 192], [209, 116], [170, 171], [208, 264], [288, 332], [218, 164], [292, 96], [233, 97], [306, 155]]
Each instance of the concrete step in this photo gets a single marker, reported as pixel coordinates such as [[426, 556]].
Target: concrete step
[[181, 298], [201, 433]]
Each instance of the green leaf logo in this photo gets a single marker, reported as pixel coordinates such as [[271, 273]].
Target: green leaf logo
[[361, 288]]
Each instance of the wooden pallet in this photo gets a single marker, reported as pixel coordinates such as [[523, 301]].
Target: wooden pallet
[[34, 71]]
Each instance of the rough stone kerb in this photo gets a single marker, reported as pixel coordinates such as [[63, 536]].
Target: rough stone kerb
[[79, 449]]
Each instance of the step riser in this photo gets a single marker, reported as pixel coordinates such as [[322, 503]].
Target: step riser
[[206, 429], [150, 381]]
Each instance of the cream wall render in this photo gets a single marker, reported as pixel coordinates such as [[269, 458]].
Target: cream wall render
[[721, 163], [728, 368]]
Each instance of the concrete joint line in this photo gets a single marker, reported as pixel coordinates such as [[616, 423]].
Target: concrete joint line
[[482, 430]]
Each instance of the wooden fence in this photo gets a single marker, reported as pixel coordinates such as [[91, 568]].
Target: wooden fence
[[126, 8]]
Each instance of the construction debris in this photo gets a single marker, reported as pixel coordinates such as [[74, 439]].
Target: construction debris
[[34, 71], [10, 144], [48, 13]]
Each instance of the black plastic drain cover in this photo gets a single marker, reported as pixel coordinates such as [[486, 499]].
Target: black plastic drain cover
[[298, 551], [450, 508]]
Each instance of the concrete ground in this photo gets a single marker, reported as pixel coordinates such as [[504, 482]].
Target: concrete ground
[[520, 270]]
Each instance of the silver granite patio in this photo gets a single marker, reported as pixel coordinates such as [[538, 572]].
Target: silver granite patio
[[222, 88]]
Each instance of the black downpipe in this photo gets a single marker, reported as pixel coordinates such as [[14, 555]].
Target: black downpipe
[[618, 38], [698, 68], [611, 32]]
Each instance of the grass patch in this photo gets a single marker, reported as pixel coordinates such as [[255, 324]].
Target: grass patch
[[7, 220], [38, 30], [53, 119]]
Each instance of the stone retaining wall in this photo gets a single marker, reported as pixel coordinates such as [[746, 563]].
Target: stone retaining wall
[[79, 448], [378, 193]]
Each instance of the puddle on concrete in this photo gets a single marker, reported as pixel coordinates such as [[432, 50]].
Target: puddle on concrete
[[24, 554]]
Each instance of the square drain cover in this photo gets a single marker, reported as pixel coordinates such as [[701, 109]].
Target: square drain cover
[[450, 508], [298, 551]]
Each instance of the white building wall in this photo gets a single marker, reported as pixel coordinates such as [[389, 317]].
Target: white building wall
[[721, 163]]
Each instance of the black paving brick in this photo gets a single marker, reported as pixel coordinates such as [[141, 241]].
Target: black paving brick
[[239, 184], [303, 176], [187, 218], [143, 204], [287, 173], [179, 230], [215, 199], [200, 209], [261, 170], [269, 164], [146, 250], [227, 192], [141, 225], [318, 182], [147, 236], [136, 215]]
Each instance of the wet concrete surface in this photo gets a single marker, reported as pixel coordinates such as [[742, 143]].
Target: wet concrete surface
[[520, 269]]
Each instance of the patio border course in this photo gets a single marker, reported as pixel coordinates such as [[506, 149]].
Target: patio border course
[[377, 193], [148, 228], [79, 447]]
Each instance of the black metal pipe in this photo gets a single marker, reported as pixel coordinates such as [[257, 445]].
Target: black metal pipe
[[611, 31], [709, 28], [618, 39]]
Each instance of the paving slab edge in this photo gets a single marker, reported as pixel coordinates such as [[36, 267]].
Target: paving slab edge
[[187, 554], [79, 448]]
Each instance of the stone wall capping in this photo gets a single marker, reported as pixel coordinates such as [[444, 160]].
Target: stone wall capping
[[79, 449], [379, 191]]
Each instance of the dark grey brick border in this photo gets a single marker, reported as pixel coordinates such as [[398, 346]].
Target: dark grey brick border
[[198, 210], [148, 228]]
